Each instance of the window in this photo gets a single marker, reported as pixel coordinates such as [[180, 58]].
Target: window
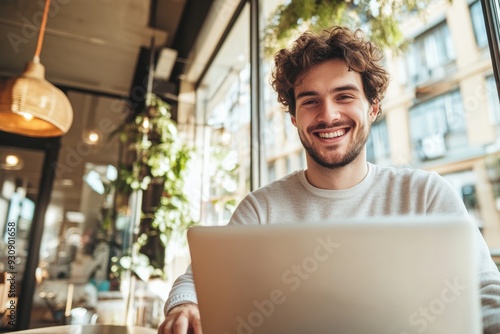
[[280, 157], [289, 164], [438, 124], [271, 131], [429, 54], [224, 99], [493, 101], [477, 17], [290, 132], [271, 171], [377, 147], [270, 96], [465, 182], [302, 159]]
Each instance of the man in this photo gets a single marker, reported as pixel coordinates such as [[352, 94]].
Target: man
[[332, 85]]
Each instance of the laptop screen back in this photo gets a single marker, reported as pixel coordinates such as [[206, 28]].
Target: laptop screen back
[[381, 275]]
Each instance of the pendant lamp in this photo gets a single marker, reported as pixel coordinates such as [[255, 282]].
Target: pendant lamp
[[32, 106]]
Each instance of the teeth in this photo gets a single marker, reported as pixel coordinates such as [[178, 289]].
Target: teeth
[[332, 134]]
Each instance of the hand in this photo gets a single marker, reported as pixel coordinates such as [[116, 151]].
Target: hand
[[182, 319]]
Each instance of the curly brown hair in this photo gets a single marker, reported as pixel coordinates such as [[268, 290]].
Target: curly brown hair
[[336, 43]]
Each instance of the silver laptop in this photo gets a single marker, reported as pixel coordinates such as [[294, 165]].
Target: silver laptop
[[396, 275]]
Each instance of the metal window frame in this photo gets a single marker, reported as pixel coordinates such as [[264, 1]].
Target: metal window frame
[[50, 147], [257, 118]]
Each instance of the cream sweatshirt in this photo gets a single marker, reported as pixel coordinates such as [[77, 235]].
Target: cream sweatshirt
[[384, 191]]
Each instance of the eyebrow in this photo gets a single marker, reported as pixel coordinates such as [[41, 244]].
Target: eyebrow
[[334, 90]]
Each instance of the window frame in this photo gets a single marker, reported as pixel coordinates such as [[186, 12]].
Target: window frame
[[475, 24]]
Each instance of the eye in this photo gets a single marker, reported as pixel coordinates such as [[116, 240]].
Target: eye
[[309, 102], [345, 97]]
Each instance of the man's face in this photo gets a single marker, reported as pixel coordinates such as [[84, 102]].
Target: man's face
[[333, 116]]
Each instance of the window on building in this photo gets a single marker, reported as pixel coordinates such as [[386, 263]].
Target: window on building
[[377, 147], [271, 131], [269, 95], [476, 12], [430, 55], [438, 125], [493, 100], [289, 128], [271, 171], [465, 182], [302, 159], [289, 164]]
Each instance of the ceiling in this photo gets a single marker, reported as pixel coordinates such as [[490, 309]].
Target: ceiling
[[95, 45]]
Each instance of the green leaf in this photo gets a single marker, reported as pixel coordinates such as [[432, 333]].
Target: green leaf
[[153, 155], [383, 18]]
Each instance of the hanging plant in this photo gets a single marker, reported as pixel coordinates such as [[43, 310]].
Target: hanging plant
[[380, 20], [155, 161]]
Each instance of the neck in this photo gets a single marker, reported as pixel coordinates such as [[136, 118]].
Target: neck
[[339, 178]]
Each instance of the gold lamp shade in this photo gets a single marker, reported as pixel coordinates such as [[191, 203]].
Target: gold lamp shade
[[32, 106]]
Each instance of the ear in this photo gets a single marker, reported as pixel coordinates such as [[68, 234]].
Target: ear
[[374, 109], [294, 120]]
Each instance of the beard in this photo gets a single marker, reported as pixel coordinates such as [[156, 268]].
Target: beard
[[353, 150]]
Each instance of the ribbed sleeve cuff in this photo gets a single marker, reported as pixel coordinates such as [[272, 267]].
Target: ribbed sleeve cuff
[[179, 299]]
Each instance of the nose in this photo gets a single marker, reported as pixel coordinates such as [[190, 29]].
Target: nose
[[329, 112]]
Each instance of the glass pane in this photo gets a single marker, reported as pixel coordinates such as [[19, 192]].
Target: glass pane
[[20, 173], [285, 148], [436, 106], [378, 146], [224, 98], [476, 13], [493, 100], [75, 251]]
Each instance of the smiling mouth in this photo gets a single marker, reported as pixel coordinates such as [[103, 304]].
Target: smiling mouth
[[333, 134]]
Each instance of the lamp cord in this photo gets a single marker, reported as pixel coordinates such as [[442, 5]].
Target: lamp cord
[[36, 58]]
